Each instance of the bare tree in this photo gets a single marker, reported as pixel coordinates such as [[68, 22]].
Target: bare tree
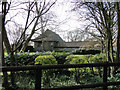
[[34, 11], [102, 17], [76, 35]]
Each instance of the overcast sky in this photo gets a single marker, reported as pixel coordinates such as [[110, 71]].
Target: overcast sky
[[71, 19]]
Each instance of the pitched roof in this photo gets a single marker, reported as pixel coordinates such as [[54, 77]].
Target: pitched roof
[[48, 35]]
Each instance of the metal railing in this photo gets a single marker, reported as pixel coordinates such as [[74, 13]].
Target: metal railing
[[38, 69]]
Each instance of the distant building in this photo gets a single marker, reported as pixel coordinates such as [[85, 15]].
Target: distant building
[[49, 41]]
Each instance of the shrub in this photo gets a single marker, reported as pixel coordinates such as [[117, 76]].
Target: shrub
[[114, 79], [77, 59], [98, 58], [60, 56], [86, 51], [47, 74], [25, 58], [45, 59], [22, 59], [78, 73]]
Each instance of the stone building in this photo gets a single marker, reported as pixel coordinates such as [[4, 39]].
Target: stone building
[[49, 41]]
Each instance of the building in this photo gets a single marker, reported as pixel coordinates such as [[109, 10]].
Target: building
[[49, 41]]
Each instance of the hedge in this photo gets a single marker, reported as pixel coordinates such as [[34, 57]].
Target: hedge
[[86, 51], [60, 56], [45, 59]]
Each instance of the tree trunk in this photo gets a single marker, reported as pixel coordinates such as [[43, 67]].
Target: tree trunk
[[108, 51], [112, 51], [118, 34], [5, 79], [6, 42], [103, 46], [12, 59]]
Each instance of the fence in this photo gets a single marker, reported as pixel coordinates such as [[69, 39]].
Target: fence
[[39, 68]]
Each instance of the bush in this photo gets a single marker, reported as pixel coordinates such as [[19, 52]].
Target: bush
[[73, 59], [116, 78], [86, 51], [45, 59], [98, 58], [25, 58], [60, 56], [78, 73], [22, 59], [47, 74], [77, 59], [29, 58]]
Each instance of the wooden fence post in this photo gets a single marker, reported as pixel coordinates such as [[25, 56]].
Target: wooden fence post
[[105, 77], [2, 62], [1, 38], [38, 75], [1, 48]]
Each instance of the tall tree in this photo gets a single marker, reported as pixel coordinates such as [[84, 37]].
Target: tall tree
[[102, 17], [34, 12], [118, 33], [5, 79]]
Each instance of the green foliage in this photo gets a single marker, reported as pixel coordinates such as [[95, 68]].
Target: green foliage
[[86, 51], [53, 78], [45, 59], [29, 58], [77, 59], [98, 58], [22, 59], [25, 80], [79, 73], [63, 80], [116, 78], [60, 56]]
